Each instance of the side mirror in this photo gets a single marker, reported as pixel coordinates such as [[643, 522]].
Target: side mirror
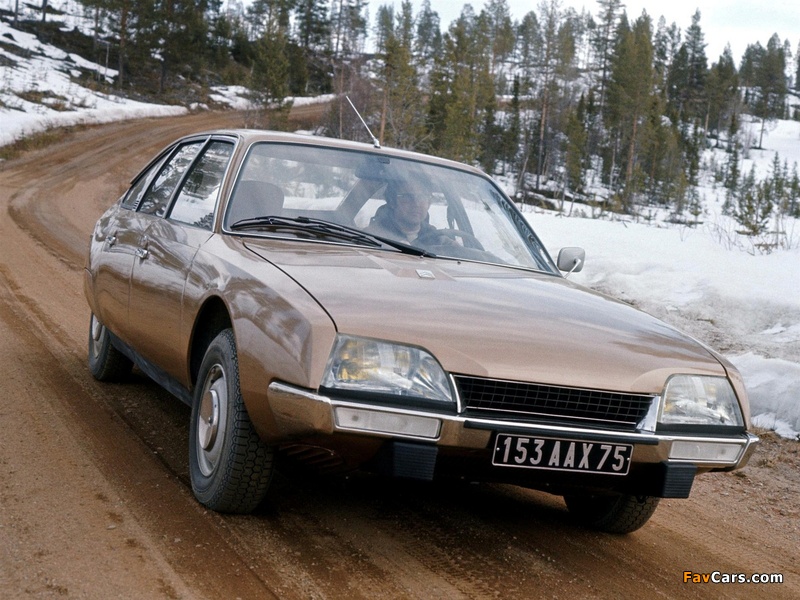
[[571, 260]]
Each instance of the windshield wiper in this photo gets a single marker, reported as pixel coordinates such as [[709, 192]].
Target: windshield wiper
[[328, 228], [403, 247], [307, 224]]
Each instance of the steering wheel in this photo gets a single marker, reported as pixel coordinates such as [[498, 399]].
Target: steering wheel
[[470, 241]]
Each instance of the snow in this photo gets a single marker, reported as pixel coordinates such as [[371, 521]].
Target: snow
[[41, 70], [749, 303], [705, 280]]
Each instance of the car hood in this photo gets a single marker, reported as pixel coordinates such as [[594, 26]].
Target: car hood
[[494, 321]]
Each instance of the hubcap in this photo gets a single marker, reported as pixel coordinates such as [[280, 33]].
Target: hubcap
[[97, 331], [211, 420]]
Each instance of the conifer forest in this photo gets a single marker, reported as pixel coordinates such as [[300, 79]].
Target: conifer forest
[[602, 108]]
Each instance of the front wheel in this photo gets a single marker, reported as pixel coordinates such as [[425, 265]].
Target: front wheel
[[230, 467], [618, 513]]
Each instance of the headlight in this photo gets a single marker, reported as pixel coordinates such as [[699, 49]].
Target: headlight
[[700, 400], [365, 365]]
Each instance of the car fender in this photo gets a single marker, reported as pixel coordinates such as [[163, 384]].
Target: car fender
[[278, 326]]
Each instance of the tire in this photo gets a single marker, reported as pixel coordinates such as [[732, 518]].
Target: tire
[[620, 513], [106, 362], [229, 466]]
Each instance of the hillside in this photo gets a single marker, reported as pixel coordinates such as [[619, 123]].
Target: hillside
[[738, 293]]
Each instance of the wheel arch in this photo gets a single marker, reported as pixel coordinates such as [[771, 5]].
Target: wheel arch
[[212, 318]]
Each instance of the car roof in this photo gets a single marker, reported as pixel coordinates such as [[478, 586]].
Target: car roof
[[249, 136]]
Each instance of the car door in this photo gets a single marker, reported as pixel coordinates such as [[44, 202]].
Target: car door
[[114, 248], [165, 254]]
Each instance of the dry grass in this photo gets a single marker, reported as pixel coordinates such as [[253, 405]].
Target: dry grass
[[35, 141]]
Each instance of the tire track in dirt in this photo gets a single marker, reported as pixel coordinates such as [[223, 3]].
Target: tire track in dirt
[[62, 436], [355, 538], [37, 287]]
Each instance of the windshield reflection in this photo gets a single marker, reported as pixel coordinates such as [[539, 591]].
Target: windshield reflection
[[438, 210]]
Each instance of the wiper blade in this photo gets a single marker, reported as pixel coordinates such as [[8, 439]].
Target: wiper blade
[[403, 247], [328, 228], [306, 224]]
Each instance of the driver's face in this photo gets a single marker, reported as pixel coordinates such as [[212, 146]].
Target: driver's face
[[411, 207]]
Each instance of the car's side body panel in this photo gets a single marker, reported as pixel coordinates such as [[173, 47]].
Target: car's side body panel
[[110, 262], [157, 292]]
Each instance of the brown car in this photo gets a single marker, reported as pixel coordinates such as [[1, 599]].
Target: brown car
[[354, 307]]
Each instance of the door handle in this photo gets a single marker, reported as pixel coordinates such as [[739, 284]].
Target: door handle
[[142, 251]]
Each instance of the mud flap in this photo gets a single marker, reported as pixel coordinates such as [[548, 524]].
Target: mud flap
[[676, 480], [407, 460]]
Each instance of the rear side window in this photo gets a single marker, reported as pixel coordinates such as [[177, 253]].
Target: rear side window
[[135, 194], [199, 194], [156, 199]]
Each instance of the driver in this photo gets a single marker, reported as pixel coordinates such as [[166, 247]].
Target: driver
[[404, 217]]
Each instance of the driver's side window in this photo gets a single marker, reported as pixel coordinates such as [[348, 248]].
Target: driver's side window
[[198, 197], [157, 198]]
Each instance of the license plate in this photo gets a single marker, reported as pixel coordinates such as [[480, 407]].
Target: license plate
[[561, 455]]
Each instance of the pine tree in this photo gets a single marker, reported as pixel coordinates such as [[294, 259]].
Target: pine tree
[[555, 68], [269, 81], [313, 25], [660, 53], [629, 96], [693, 145], [723, 94], [529, 48], [731, 181], [575, 148], [501, 39], [778, 180], [751, 59], [678, 85], [511, 134], [793, 209], [427, 42], [754, 207], [122, 20], [697, 74], [384, 27], [462, 90], [604, 41], [661, 158], [528, 57], [666, 42], [797, 69], [270, 16], [220, 41], [770, 82], [349, 30], [402, 119], [181, 35]]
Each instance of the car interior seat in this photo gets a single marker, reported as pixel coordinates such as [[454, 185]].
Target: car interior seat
[[252, 199]]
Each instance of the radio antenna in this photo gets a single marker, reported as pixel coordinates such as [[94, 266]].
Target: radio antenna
[[375, 141]]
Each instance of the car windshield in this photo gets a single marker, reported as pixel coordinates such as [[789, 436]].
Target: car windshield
[[440, 211]]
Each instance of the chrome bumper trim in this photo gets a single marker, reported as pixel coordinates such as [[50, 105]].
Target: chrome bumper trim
[[299, 412]]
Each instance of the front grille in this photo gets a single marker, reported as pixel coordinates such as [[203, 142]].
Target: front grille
[[500, 399]]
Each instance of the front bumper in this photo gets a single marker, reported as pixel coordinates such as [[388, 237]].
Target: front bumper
[[300, 414]]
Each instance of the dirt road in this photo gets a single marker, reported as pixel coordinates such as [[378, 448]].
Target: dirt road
[[94, 495]]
